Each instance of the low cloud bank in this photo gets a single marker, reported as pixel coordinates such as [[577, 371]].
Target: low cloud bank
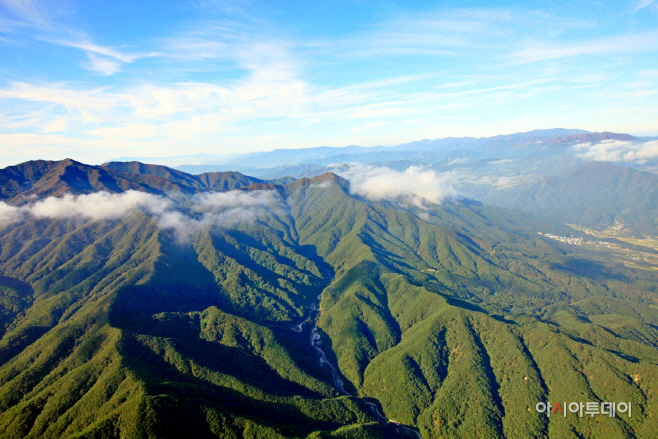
[[8, 214], [495, 181], [234, 199], [416, 185], [227, 209], [222, 208], [97, 206], [618, 151], [456, 161]]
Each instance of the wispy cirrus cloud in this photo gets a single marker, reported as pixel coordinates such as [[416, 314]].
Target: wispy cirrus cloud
[[48, 20], [641, 4], [623, 44], [458, 32], [444, 34], [101, 59], [34, 12]]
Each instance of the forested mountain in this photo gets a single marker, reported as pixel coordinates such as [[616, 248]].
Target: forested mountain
[[597, 195], [45, 178], [192, 314]]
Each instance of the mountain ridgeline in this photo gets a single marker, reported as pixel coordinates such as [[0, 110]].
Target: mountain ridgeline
[[451, 321], [44, 178]]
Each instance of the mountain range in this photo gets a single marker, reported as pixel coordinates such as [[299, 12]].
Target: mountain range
[[480, 165], [139, 301], [285, 157]]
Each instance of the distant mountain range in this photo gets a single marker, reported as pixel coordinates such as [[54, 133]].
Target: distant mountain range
[[285, 157], [533, 145]]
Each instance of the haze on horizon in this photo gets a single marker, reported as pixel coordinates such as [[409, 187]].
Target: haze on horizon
[[93, 81]]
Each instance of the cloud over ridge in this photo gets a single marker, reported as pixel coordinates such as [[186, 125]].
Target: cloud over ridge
[[416, 185], [226, 209], [97, 206]]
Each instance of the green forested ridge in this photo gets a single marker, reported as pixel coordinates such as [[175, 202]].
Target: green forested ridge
[[456, 324], [44, 178]]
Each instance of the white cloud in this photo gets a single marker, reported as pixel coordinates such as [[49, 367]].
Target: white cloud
[[101, 50], [645, 151], [97, 206], [214, 200], [101, 59], [415, 185], [57, 124], [87, 106], [323, 185], [504, 181], [228, 209], [48, 18], [8, 214], [491, 180], [618, 151], [225, 209], [501, 161], [104, 66]]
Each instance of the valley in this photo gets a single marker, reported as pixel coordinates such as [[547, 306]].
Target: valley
[[632, 254]]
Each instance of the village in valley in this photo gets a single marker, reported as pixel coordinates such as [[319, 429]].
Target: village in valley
[[568, 240], [633, 252]]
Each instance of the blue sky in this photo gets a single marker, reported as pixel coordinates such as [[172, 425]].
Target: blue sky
[[96, 80]]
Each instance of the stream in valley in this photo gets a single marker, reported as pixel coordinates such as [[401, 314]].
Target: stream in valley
[[315, 341]]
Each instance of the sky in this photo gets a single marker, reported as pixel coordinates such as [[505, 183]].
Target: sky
[[95, 80]]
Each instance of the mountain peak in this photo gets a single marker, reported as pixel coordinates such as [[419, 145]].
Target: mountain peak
[[328, 177]]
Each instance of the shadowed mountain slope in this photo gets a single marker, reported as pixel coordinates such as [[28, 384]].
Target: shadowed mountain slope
[[55, 178], [170, 174], [211, 180]]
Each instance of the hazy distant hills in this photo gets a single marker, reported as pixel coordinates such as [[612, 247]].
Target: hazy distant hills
[[482, 143], [427, 151], [596, 195], [179, 316], [527, 148]]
